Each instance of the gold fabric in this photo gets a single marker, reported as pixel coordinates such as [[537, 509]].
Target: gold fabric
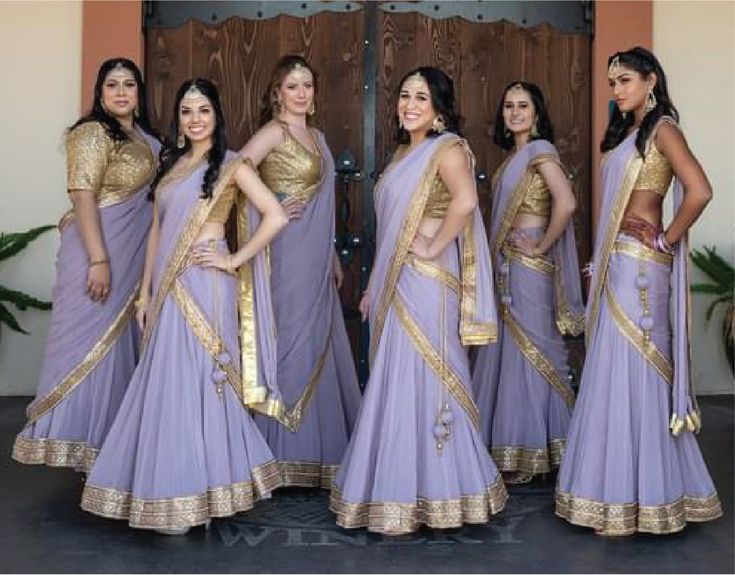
[[307, 474], [113, 171], [223, 205], [537, 197], [185, 511], [642, 252], [433, 270], [528, 459], [395, 518], [438, 200], [656, 172], [290, 170], [55, 453], [627, 518]]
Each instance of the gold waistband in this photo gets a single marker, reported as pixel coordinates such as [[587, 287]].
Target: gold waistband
[[641, 252]]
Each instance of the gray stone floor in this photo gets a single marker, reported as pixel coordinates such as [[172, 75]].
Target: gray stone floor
[[42, 529]]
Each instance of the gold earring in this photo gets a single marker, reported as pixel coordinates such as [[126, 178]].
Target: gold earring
[[438, 124], [534, 131], [650, 101], [180, 141], [312, 109]]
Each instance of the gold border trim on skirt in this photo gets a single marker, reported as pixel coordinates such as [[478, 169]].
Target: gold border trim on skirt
[[627, 518], [529, 459], [393, 518], [54, 453], [307, 474]]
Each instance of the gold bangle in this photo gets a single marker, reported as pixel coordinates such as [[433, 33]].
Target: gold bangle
[[231, 265], [141, 302], [99, 262]]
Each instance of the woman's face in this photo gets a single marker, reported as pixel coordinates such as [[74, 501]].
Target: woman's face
[[629, 87], [120, 93], [415, 109], [519, 113], [197, 118], [296, 92]]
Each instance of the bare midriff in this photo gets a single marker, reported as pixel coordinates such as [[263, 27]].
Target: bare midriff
[[210, 231], [646, 205], [526, 221]]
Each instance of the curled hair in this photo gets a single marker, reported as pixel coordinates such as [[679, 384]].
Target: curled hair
[[284, 66], [543, 123], [441, 89], [170, 154], [645, 63], [99, 114]]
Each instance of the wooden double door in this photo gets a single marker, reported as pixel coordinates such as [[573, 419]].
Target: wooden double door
[[359, 56]]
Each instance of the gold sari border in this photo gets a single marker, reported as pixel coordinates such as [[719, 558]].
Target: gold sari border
[[76, 455], [537, 359], [642, 252], [434, 271], [441, 369], [184, 511], [538, 263], [291, 418], [627, 518], [394, 518], [307, 474], [635, 336], [38, 408], [528, 459]]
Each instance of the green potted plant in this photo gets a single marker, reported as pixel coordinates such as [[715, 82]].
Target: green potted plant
[[10, 245], [722, 276]]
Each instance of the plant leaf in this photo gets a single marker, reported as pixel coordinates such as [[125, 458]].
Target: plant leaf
[[22, 300], [11, 244], [8, 319]]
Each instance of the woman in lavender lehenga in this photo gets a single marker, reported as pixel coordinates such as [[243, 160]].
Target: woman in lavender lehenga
[[310, 425], [184, 448], [416, 455], [632, 461], [91, 348], [521, 384]]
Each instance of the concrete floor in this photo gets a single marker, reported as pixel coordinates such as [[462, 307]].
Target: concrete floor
[[42, 529]]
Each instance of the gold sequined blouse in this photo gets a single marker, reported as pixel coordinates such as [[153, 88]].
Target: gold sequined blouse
[[656, 173], [291, 170], [537, 197], [113, 171], [221, 210], [438, 200]]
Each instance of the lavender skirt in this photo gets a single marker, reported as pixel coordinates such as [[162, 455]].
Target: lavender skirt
[[393, 477], [623, 471], [521, 382], [180, 451]]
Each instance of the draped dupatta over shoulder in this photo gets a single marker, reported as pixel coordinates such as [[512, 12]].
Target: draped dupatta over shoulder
[[620, 169], [400, 198], [253, 374], [509, 185]]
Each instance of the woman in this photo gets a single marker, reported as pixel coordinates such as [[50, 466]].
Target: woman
[[311, 424], [524, 396], [183, 448], [417, 456], [632, 462], [91, 349]]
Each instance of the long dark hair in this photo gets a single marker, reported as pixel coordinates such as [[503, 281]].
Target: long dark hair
[[645, 63], [216, 154], [284, 66], [543, 124], [98, 113], [441, 89]]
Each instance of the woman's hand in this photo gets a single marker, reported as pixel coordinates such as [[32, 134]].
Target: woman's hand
[[98, 280], [339, 274], [642, 230], [526, 245], [210, 257], [364, 306], [421, 246], [294, 208], [141, 314]]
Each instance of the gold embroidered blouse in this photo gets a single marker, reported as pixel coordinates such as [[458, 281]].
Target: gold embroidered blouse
[[438, 200], [221, 210], [291, 170], [113, 171], [537, 197], [656, 172]]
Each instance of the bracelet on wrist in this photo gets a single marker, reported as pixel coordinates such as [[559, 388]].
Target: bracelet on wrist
[[141, 303], [98, 262], [662, 245]]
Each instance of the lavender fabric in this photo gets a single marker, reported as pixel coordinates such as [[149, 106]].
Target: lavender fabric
[[69, 433]]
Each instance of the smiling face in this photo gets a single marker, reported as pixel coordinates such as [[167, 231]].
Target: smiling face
[[519, 113], [296, 92], [415, 109], [120, 93], [629, 87], [197, 118]]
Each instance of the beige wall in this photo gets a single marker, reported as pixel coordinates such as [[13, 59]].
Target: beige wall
[[694, 41], [40, 58]]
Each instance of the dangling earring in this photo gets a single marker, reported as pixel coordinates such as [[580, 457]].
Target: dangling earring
[[312, 109], [650, 101], [180, 141], [400, 124], [507, 133], [534, 130], [623, 114], [438, 124]]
